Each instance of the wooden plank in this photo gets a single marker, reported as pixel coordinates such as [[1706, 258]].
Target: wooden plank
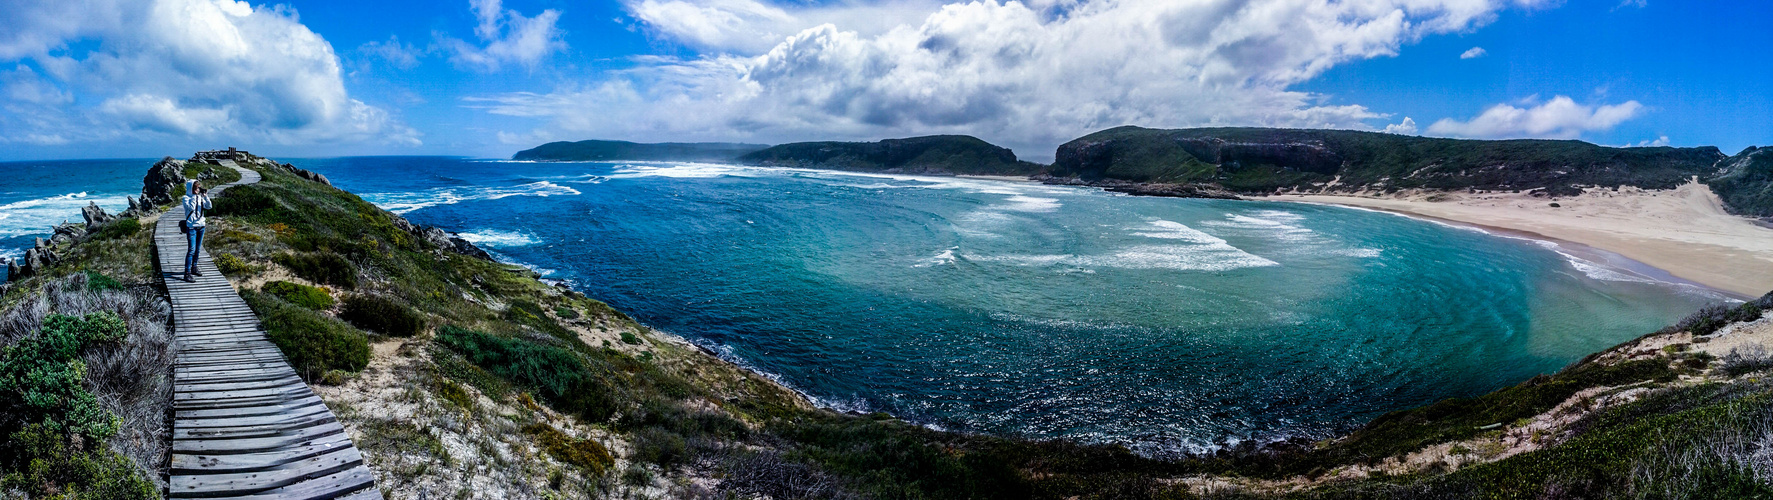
[[281, 427], [319, 467], [282, 381], [248, 462], [256, 445], [295, 413], [353, 482], [275, 409]]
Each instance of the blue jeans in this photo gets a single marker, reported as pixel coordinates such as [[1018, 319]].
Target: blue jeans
[[195, 239]]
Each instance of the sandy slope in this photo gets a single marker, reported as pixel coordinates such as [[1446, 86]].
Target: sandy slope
[[1684, 231]]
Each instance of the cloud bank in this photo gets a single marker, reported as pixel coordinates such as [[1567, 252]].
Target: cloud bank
[[1558, 118], [207, 70], [1025, 74], [507, 37]]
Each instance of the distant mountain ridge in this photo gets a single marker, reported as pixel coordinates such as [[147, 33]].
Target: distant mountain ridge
[[935, 155], [597, 150], [1264, 160]]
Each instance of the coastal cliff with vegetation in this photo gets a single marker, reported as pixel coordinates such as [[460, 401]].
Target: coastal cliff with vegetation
[[929, 155], [1745, 182], [595, 150], [458, 375], [1268, 160]]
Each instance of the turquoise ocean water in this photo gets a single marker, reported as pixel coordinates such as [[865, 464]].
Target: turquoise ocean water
[[1167, 325]]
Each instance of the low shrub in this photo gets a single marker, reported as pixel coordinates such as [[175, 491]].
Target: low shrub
[[299, 294], [557, 374], [1710, 319], [231, 265], [584, 453], [41, 375], [120, 228], [99, 282], [243, 201], [313, 343], [322, 267], [566, 312], [1748, 359], [53, 468], [630, 338], [454, 393], [659, 446], [528, 313], [382, 315]]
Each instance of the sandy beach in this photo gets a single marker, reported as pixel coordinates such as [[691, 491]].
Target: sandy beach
[[1683, 231]]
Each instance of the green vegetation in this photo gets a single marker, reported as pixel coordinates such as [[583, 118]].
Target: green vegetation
[[585, 453], [313, 343], [325, 268], [1261, 160], [121, 228], [55, 427], [230, 265], [624, 150], [382, 315], [299, 294], [96, 281], [936, 154], [557, 374], [1746, 184]]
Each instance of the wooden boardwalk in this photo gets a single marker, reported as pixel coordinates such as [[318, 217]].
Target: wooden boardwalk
[[244, 425]]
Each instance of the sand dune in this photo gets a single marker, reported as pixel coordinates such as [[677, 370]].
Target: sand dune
[[1683, 231]]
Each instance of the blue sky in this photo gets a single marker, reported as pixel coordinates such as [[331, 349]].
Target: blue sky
[[487, 78]]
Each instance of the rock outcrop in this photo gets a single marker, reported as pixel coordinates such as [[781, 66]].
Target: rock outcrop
[[165, 180], [441, 239], [95, 215], [306, 174]]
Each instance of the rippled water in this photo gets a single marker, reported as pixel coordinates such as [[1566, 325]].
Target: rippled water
[[1163, 324]]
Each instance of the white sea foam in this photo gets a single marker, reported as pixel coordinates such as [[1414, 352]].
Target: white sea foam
[[500, 239], [688, 170], [946, 258], [1195, 251], [37, 216], [402, 203], [1021, 203]]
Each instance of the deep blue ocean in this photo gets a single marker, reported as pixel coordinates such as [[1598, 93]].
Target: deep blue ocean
[[1163, 324]]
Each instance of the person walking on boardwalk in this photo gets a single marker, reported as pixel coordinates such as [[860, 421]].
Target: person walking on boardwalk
[[196, 201]]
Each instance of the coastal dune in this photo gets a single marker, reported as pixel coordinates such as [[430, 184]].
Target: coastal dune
[[1684, 231]]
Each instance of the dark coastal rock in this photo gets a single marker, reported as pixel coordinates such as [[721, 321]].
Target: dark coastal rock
[[165, 180], [66, 233], [306, 174], [12, 271], [467, 248], [95, 216]]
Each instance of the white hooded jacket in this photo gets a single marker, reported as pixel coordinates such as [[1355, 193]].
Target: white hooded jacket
[[195, 205]]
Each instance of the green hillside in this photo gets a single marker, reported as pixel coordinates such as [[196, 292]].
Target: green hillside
[[1746, 182], [1262, 160], [936, 154]]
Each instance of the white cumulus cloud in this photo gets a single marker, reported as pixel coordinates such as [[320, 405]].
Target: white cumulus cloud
[[1406, 127], [1474, 53], [185, 69], [506, 36], [1558, 118], [1028, 75]]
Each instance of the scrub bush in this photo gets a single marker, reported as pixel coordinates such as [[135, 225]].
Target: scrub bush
[[325, 268], [120, 228], [382, 315], [585, 453], [231, 265], [557, 374], [313, 343], [299, 294]]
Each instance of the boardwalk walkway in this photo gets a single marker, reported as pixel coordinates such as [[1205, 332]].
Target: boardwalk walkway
[[244, 425]]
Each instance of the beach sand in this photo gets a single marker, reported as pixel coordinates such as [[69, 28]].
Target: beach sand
[[1683, 231]]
